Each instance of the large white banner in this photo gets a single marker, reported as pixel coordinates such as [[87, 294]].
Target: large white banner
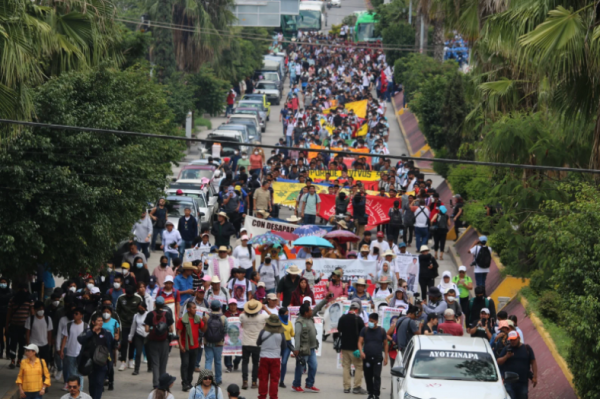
[[407, 267], [255, 226], [353, 268]]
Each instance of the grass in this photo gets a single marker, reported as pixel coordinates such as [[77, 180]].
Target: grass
[[559, 335], [200, 121]]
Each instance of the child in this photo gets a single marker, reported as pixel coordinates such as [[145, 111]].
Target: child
[[261, 291]]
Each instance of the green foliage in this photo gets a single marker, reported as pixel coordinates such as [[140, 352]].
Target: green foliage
[[199, 121], [454, 111], [440, 168], [209, 91], [163, 51], [134, 47], [335, 29], [75, 194], [416, 69], [242, 56], [180, 96], [349, 20], [549, 305], [399, 34]]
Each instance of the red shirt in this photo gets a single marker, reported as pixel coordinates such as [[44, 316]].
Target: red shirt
[[195, 329], [451, 327]]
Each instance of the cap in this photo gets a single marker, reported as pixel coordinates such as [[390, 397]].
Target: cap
[[95, 290], [483, 238], [511, 336], [462, 269], [485, 310], [204, 234], [233, 390], [32, 347], [160, 300], [434, 291], [380, 234], [215, 305], [238, 187], [179, 192], [402, 245], [168, 279], [232, 300], [206, 278], [503, 324], [309, 260], [125, 265], [261, 284], [244, 237], [152, 279], [510, 323], [272, 296], [307, 299], [355, 305]]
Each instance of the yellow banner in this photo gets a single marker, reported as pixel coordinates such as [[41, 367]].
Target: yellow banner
[[361, 175], [287, 193], [359, 108], [363, 130]]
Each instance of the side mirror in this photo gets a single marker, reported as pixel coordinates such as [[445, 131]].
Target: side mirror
[[509, 376], [399, 371], [202, 214], [252, 137]]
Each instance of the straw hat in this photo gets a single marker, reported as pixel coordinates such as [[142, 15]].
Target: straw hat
[[223, 214], [343, 224], [293, 269], [293, 219], [360, 281], [423, 248], [223, 248], [364, 248], [390, 252], [384, 280], [189, 266], [252, 306], [214, 280]]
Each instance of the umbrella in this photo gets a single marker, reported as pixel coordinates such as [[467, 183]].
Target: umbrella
[[310, 230], [267, 238], [343, 236], [285, 235], [312, 241]]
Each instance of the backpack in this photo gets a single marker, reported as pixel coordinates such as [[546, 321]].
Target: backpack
[[160, 329], [483, 258], [215, 331], [487, 303], [395, 217], [409, 218], [442, 221], [101, 354]]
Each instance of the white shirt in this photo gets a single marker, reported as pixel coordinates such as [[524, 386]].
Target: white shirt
[[383, 246], [170, 237], [421, 216], [62, 323], [474, 251], [274, 310], [137, 326], [244, 259], [224, 270], [72, 346], [39, 331], [245, 285]]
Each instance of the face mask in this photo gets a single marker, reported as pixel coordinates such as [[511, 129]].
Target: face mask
[[139, 265], [90, 286], [72, 289], [244, 157], [371, 324], [117, 285], [55, 303], [255, 152], [109, 269], [102, 278], [3, 286], [40, 313], [141, 311], [451, 299], [163, 264], [106, 316], [284, 318], [125, 272]]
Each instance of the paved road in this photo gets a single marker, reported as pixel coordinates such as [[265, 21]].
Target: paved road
[[335, 15]]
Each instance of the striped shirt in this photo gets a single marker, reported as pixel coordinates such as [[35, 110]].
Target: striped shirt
[[19, 313]]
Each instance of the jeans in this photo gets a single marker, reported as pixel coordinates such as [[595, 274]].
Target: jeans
[[158, 356], [394, 232], [249, 273], [439, 239], [188, 363], [138, 344], [70, 369], [198, 358], [311, 362], [170, 256], [309, 219], [247, 353], [183, 245], [58, 362], [229, 109], [214, 353], [517, 390], [17, 337], [230, 361], [269, 371], [96, 380], [155, 232], [4, 335], [33, 395], [143, 247], [288, 141], [285, 356], [421, 236], [480, 279], [372, 369]]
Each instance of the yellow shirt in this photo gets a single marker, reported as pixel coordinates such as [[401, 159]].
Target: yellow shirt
[[31, 375], [288, 330]]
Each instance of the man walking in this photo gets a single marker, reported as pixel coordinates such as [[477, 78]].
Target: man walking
[[70, 346], [349, 327], [371, 343], [272, 343], [214, 329], [127, 307], [159, 323], [188, 327], [95, 342], [188, 228], [253, 321], [518, 358], [75, 390], [482, 259], [142, 232], [421, 224], [39, 329], [310, 206]]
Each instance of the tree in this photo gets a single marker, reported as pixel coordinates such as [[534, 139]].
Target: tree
[[454, 111], [163, 52], [399, 34], [68, 197], [209, 91]]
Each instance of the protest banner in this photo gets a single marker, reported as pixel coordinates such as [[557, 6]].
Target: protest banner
[[390, 317], [233, 337], [319, 328], [407, 267], [293, 311], [332, 315], [359, 108], [255, 226], [359, 175], [353, 268], [379, 305], [287, 193], [377, 208], [319, 291]]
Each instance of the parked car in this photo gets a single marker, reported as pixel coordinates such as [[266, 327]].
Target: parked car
[[444, 366], [264, 111], [244, 129], [196, 172], [270, 89], [230, 141], [253, 133], [258, 97], [238, 118], [255, 112], [200, 192]]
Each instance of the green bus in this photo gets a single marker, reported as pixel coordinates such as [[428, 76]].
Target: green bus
[[364, 30]]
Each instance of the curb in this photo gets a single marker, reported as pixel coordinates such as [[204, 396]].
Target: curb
[[406, 142]]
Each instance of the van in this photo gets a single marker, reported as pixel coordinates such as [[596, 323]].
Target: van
[[280, 60]]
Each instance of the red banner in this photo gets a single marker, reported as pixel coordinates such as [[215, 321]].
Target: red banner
[[377, 208], [319, 291]]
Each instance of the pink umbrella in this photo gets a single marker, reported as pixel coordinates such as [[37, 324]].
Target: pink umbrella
[[343, 236], [285, 235]]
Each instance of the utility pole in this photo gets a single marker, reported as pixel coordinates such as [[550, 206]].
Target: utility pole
[[410, 12]]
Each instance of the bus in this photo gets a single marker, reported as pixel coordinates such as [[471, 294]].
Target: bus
[[312, 16], [364, 30]]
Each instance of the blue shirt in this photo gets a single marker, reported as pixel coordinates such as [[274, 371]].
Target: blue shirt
[[111, 326], [115, 294], [183, 284]]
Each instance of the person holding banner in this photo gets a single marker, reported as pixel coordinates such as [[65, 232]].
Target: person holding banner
[[272, 343]]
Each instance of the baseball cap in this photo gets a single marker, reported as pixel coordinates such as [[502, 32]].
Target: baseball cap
[[160, 300], [233, 390], [125, 265], [206, 278], [232, 300], [168, 279], [307, 299], [32, 347], [511, 336], [380, 234], [462, 268], [200, 289], [402, 245], [502, 324], [244, 237], [485, 310], [483, 238]]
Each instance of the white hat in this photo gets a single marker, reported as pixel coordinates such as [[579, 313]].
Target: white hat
[[462, 268], [215, 279], [447, 274], [485, 310], [307, 298], [389, 252], [244, 237], [32, 347], [424, 248], [95, 290], [169, 279]]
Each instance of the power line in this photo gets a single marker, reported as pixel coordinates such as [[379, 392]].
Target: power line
[[348, 153], [212, 31]]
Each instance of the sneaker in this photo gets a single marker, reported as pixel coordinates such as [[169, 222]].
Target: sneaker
[[254, 385], [297, 389], [282, 385], [312, 389], [66, 388], [135, 372], [145, 361], [185, 388], [58, 375], [111, 386], [131, 364], [359, 391], [346, 390], [122, 366], [371, 397], [245, 385], [11, 365], [229, 369]]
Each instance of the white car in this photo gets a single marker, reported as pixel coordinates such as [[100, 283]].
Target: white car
[[448, 367], [336, 3]]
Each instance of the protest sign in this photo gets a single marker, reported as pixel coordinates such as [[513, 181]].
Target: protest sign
[[233, 337], [359, 175], [255, 226], [319, 291], [390, 317], [353, 268], [377, 208], [407, 267]]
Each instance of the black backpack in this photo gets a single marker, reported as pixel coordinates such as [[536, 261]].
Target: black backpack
[[215, 331], [484, 258], [160, 329], [442, 221], [396, 217]]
